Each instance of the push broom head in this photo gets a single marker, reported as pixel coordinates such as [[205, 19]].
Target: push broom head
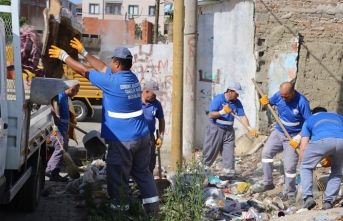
[[72, 169]]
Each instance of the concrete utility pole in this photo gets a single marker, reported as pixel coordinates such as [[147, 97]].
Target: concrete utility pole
[[177, 93], [157, 14], [189, 70]]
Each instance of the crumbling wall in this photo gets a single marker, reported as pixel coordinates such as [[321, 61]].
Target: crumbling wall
[[318, 26]]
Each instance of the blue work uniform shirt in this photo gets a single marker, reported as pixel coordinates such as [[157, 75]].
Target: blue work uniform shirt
[[226, 120], [323, 125], [152, 111], [292, 114], [64, 112], [122, 115]]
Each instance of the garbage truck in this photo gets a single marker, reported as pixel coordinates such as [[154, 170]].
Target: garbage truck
[[23, 129]]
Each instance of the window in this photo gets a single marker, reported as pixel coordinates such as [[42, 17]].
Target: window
[[151, 10], [78, 11], [94, 9], [133, 9], [113, 8], [168, 9]]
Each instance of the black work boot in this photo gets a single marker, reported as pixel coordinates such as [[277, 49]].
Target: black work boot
[[309, 202], [58, 178], [327, 205], [263, 188]]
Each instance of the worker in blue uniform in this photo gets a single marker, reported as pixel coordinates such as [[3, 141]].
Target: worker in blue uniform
[[123, 124], [322, 138]]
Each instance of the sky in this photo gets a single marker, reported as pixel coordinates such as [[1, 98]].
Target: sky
[[76, 1]]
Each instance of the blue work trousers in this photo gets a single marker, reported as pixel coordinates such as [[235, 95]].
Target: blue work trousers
[[314, 153]]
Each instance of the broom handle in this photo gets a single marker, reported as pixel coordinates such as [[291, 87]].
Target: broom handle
[[76, 127], [159, 156], [273, 113], [239, 120], [58, 140]]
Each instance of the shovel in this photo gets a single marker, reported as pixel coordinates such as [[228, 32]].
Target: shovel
[[274, 114], [94, 144], [239, 120], [161, 184]]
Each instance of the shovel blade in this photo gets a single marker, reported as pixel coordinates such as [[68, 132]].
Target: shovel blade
[[44, 89]]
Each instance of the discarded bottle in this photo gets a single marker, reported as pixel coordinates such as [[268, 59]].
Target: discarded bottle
[[291, 210], [252, 211]]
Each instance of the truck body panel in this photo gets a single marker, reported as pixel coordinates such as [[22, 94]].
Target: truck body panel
[[23, 129]]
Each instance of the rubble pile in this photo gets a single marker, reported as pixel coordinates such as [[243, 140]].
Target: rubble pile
[[234, 199], [223, 199]]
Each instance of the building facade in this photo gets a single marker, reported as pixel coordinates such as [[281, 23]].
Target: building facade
[[138, 10]]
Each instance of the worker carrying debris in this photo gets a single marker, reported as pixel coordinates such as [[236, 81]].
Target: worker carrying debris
[[293, 110], [220, 134], [152, 109], [324, 130], [61, 117], [123, 124]]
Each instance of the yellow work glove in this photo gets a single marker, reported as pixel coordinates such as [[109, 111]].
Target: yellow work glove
[[159, 142], [264, 100], [252, 132], [326, 162], [226, 110], [75, 43], [295, 141], [56, 52]]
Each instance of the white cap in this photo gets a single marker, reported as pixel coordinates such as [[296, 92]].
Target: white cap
[[235, 86], [153, 86]]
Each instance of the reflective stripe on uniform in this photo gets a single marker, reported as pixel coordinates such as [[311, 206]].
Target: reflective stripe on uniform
[[114, 207], [228, 171], [267, 160], [125, 115], [326, 120], [224, 122], [64, 120], [290, 124], [290, 175], [151, 200]]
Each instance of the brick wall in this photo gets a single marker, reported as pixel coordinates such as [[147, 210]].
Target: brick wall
[[32, 11], [319, 26], [118, 31]]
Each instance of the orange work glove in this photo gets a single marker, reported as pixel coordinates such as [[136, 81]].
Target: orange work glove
[[54, 130], [264, 100], [295, 141], [226, 110], [252, 132], [159, 142], [326, 162], [75, 43]]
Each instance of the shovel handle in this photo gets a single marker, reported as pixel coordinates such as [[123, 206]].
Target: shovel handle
[[159, 156], [273, 112], [76, 127]]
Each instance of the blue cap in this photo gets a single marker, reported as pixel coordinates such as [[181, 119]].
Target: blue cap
[[121, 52], [235, 86]]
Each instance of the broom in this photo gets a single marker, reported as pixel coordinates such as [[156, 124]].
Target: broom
[[72, 169]]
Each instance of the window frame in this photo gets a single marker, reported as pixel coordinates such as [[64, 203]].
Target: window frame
[[154, 7], [94, 4], [128, 9], [120, 5]]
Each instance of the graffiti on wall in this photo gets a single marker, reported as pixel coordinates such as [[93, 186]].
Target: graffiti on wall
[[150, 64], [283, 65]]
